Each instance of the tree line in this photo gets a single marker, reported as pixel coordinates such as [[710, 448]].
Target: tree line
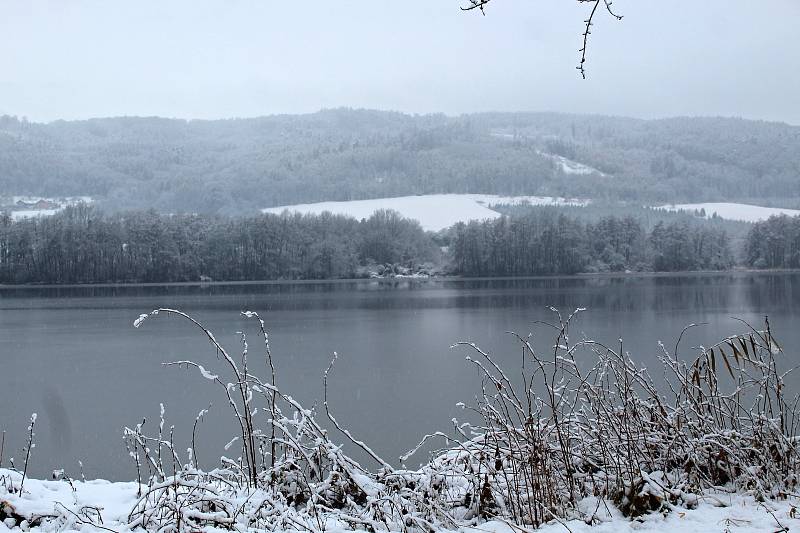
[[85, 245], [774, 243], [540, 244]]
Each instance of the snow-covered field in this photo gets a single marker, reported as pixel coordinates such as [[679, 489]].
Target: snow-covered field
[[733, 211], [433, 211], [69, 200], [18, 213], [67, 506], [33, 213]]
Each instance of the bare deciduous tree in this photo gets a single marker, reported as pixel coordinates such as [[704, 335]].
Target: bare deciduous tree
[[587, 30]]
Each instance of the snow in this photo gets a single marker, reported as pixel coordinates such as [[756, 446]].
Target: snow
[[501, 135], [68, 200], [19, 214], [33, 213], [46, 497], [433, 211], [733, 211], [715, 512], [568, 166]]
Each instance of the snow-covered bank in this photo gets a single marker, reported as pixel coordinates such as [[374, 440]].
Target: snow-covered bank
[[42, 502], [733, 211], [84, 506], [433, 211]]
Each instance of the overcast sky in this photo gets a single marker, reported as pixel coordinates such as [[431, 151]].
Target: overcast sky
[[225, 58]]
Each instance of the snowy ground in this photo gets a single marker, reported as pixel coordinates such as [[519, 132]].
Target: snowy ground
[[61, 200], [732, 211], [433, 211], [33, 213], [720, 512], [567, 166], [19, 214]]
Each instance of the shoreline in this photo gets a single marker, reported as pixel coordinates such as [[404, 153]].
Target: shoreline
[[393, 279], [62, 504]]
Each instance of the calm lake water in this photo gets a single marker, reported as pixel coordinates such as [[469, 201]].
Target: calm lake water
[[71, 354]]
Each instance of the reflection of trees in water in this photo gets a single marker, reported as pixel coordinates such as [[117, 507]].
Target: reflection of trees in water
[[611, 294], [773, 293], [767, 293]]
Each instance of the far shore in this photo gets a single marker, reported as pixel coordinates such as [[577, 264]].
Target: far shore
[[417, 279]]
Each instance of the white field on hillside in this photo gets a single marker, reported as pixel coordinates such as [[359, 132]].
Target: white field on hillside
[[733, 211], [21, 213], [32, 213], [433, 211]]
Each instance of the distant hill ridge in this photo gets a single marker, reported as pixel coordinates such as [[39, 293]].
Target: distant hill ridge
[[242, 165]]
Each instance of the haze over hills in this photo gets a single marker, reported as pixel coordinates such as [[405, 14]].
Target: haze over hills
[[239, 166]]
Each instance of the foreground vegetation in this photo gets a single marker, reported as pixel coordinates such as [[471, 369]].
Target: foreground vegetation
[[576, 430]]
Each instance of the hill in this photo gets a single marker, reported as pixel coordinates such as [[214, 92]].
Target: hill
[[239, 166]]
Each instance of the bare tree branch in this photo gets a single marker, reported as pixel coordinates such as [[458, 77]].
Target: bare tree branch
[[589, 22]]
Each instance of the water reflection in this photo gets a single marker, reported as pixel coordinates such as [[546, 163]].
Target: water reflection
[[71, 354]]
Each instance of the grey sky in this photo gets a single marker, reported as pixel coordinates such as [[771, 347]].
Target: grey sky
[[224, 58]]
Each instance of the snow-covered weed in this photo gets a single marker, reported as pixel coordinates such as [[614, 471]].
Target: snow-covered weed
[[570, 432]]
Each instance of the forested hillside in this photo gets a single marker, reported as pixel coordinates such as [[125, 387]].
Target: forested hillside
[[237, 166]]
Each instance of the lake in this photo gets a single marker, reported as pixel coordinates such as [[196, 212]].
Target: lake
[[72, 355]]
